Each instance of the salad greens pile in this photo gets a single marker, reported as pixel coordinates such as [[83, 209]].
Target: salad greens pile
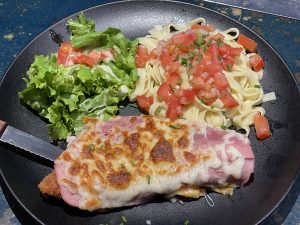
[[65, 95]]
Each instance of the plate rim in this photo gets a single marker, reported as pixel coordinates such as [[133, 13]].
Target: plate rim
[[180, 2]]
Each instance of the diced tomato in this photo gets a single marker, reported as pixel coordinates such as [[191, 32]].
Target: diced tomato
[[84, 59], [247, 43], [217, 36], [144, 102], [186, 96], [63, 53], [197, 82], [262, 127], [174, 110], [178, 39], [185, 46], [256, 62], [165, 58], [213, 68], [141, 56], [220, 81], [193, 36], [173, 67], [224, 50], [98, 56], [235, 51], [228, 100], [171, 48], [228, 63], [172, 79], [166, 93], [213, 51]]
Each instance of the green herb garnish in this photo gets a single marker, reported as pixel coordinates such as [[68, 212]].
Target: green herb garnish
[[124, 219], [159, 108], [198, 42], [257, 86], [186, 222], [133, 163], [212, 106], [91, 147], [204, 49], [229, 68], [219, 42], [219, 57], [223, 127], [199, 57], [184, 61], [174, 126], [208, 42]]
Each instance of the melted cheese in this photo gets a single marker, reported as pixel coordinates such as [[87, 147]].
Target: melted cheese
[[124, 161]]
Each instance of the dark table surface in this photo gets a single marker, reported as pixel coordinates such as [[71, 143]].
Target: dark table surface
[[21, 21]]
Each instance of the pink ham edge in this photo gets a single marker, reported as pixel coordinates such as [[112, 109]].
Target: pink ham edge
[[69, 197], [212, 138]]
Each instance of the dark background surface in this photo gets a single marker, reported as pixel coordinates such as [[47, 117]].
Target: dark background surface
[[21, 21]]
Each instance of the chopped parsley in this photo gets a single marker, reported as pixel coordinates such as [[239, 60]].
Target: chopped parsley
[[212, 106], [184, 61], [229, 68], [133, 163], [183, 118], [174, 126], [122, 166], [198, 42], [91, 147], [159, 108], [191, 55], [219, 42], [204, 49], [223, 127], [208, 42], [219, 57], [124, 219], [148, 179], [186, 222], [203, 101], [199, 57], [180, 80], [257, 86], [101, 146]]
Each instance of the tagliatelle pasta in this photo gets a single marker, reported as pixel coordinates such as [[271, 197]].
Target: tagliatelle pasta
[[244, 82]]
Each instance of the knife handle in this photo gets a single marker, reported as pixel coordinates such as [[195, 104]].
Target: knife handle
[[3, 126]]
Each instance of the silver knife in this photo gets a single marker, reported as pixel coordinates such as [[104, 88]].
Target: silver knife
[[27, 142]]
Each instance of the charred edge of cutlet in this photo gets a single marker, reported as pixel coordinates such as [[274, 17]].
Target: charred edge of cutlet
[[49, 186]]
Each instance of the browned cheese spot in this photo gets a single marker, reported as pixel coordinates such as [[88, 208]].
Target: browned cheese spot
[[75, 168], [132, 119], [162, 152], [190, 157], [119, 180], [92, 203], [132, 141], [86, 152], [100, 165], [66, 156], [183, 142]]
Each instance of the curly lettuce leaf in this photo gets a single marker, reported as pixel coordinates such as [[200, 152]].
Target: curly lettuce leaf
[[65, 95]]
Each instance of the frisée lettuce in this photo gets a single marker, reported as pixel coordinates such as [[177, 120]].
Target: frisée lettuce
[[65, 94]]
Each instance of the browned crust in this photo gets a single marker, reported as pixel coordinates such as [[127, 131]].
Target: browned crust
[[49, 186]]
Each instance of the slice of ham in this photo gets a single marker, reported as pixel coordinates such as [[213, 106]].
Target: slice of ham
[[127, 160]]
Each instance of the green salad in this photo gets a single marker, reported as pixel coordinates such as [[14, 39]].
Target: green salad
[[88, 76]]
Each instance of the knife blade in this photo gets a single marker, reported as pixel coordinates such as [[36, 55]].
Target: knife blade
[[27, 142]]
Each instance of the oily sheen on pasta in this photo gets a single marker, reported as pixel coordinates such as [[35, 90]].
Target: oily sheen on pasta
[[244, 82]]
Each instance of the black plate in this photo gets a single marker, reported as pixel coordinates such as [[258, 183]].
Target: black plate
[[277, 158]]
